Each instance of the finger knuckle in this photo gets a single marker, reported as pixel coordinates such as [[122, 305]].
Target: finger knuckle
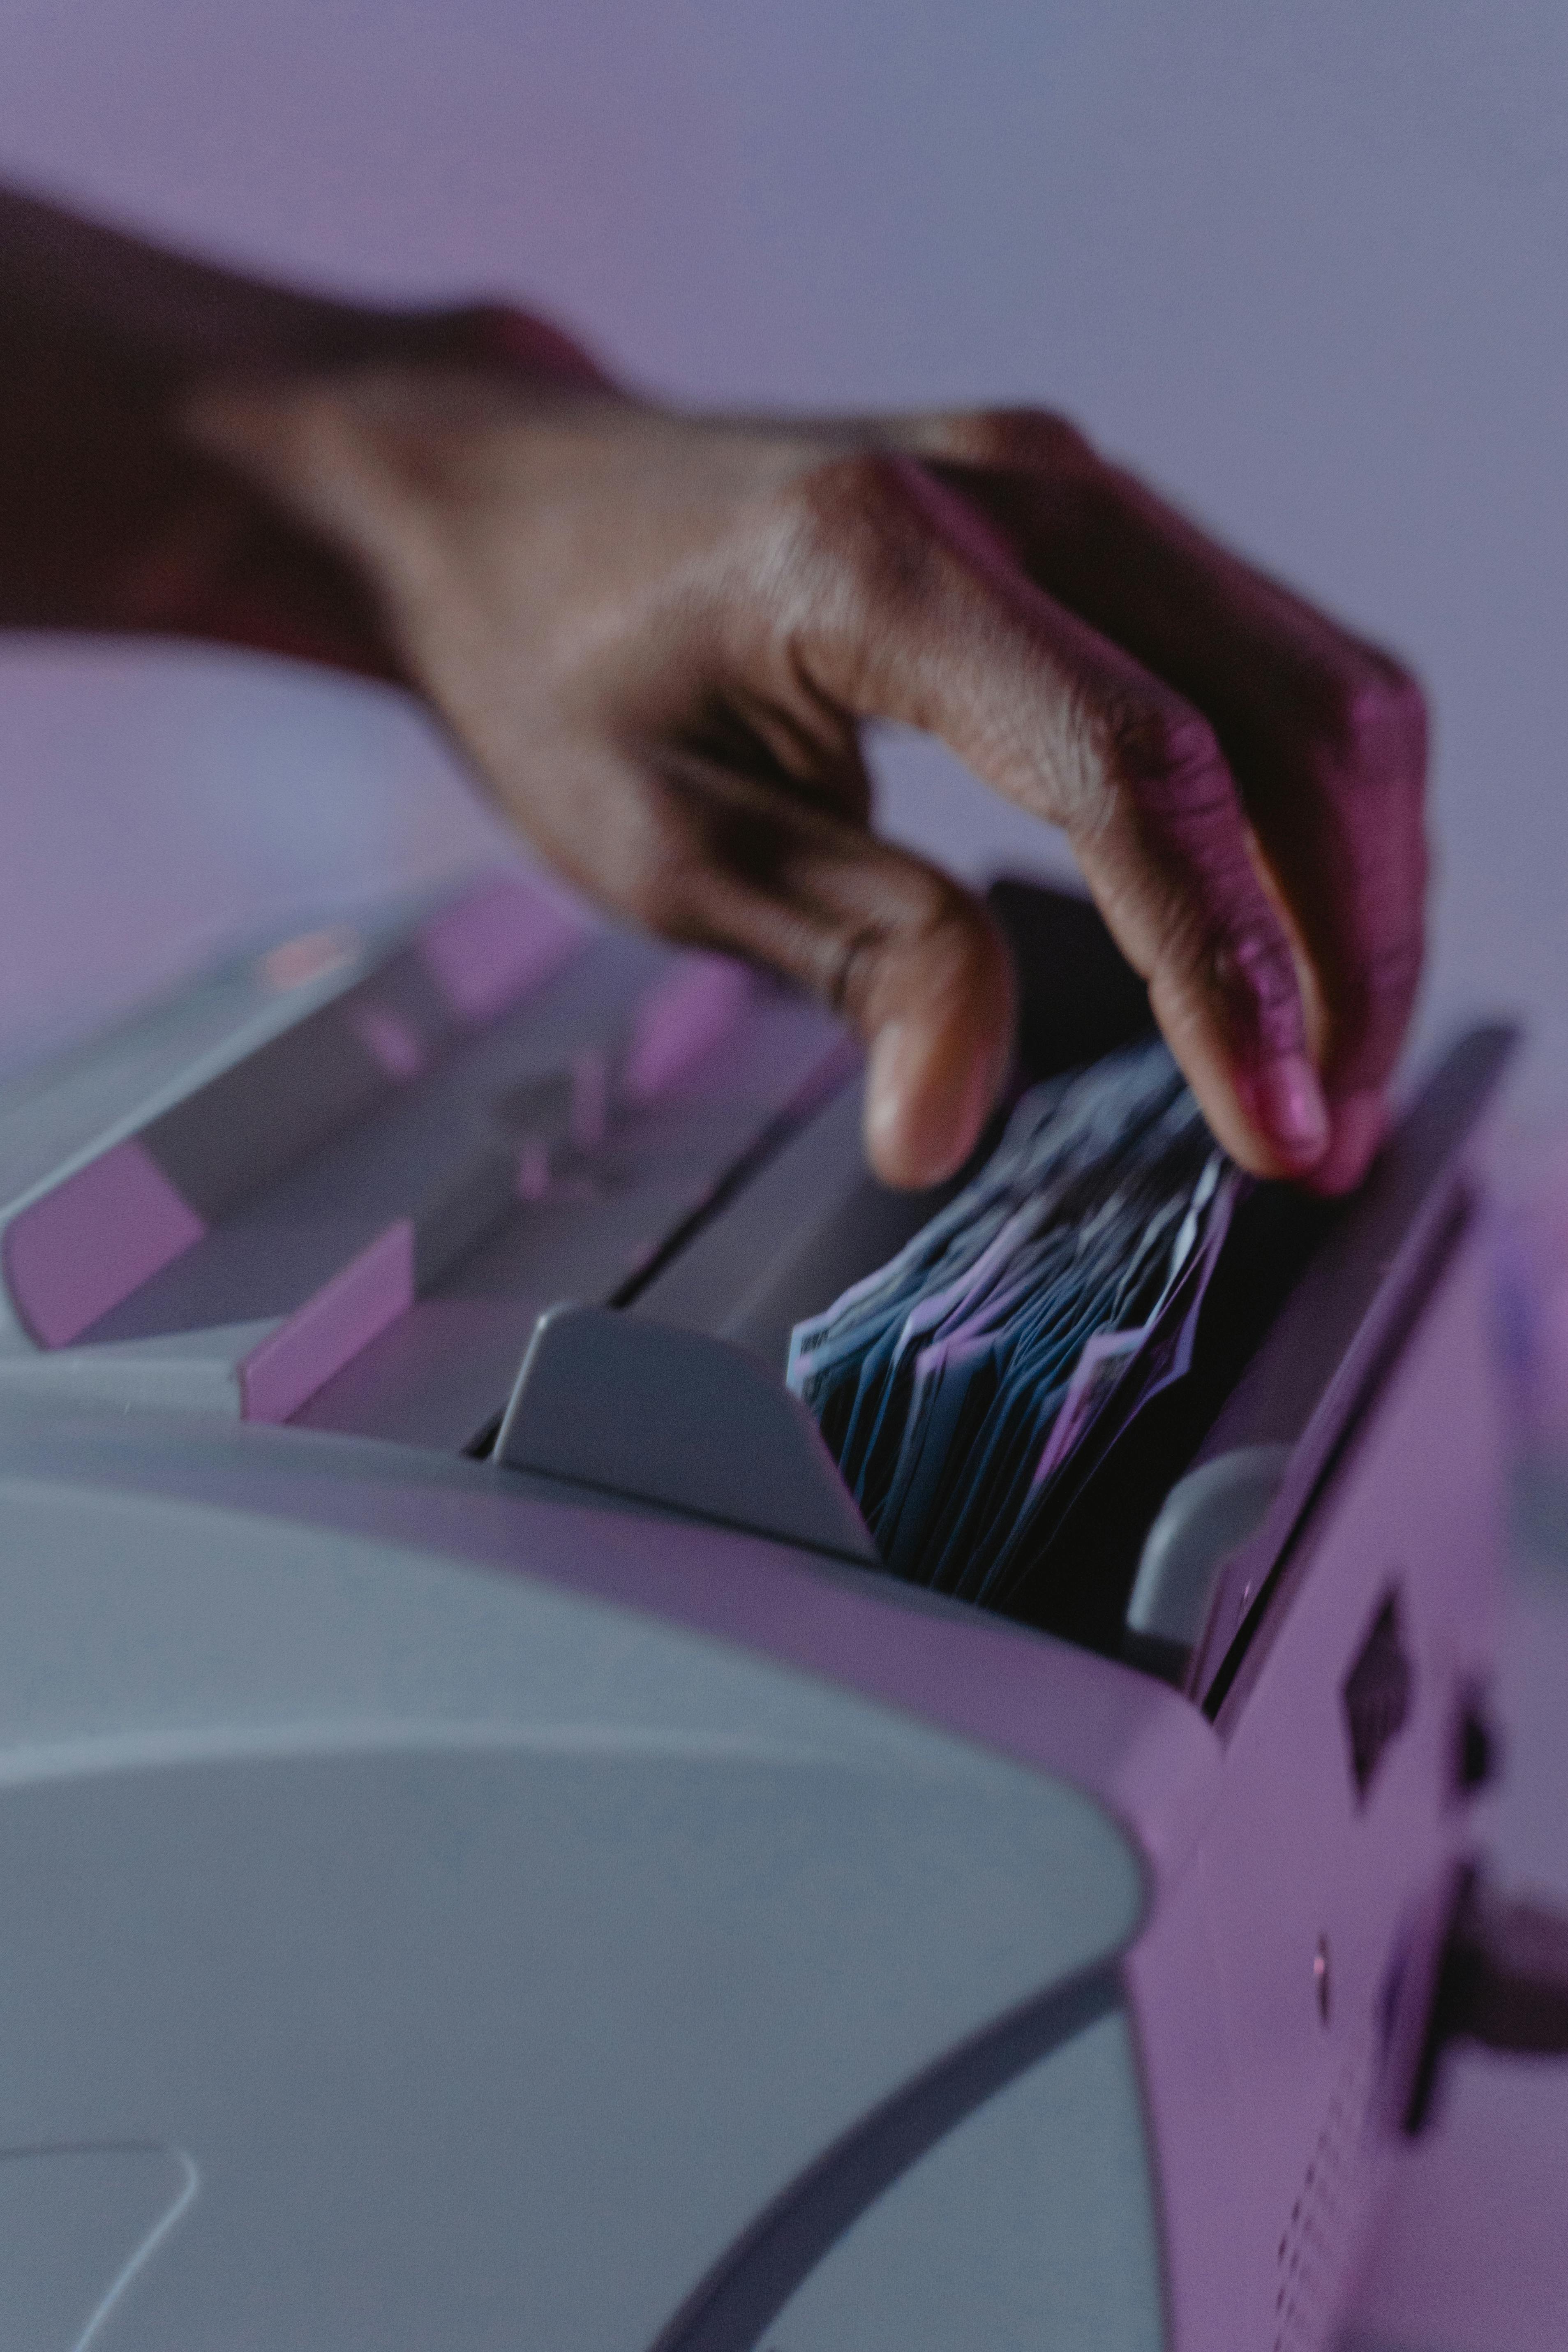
[[863, 510], [1167, 755], [1371, 727], [1144, 760], [924, 919], [1246, 965], [653, 859], [1252, 961], [954, 937], [1216, 941], [1028, 440]]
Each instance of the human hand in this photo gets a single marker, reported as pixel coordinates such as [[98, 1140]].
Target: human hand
[[655, 638]]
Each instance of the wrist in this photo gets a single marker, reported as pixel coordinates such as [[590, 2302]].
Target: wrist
[[311, 468], [125, 514]]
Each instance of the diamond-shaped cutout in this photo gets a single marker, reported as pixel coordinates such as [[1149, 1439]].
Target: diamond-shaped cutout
[[1377, 1693]]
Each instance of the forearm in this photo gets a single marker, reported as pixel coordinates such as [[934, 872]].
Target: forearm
[[113, 516]]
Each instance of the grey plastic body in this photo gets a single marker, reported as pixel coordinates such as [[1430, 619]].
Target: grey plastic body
[[1206, 1516], [454, 1908], [456, 1902], [480, 1953], [640, 1409]]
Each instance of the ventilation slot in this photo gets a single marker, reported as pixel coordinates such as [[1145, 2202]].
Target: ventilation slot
[[1321, 2235]]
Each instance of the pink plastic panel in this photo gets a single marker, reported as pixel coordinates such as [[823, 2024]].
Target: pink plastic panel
[[319, 1337], [499, 940], [81, 1248], [680, 1018]]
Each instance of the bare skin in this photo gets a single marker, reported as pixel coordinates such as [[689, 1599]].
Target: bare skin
[[655, 638]]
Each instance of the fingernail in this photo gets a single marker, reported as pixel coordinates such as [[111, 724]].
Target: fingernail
[[1287, 1104], [884, 1088], [920, 1120], [898, 1139]]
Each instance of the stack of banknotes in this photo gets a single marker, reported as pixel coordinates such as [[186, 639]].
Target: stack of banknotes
[[969, 1388]]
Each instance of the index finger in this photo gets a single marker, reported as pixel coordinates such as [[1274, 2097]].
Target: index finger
[[897, 602], [1324, 734]]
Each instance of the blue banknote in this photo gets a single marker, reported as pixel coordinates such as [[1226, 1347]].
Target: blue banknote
[[967, 1388]]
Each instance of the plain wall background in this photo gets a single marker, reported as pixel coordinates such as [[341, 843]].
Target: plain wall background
[[1302, 264]]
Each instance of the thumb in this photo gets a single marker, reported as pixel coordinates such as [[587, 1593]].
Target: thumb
[[915, 962]]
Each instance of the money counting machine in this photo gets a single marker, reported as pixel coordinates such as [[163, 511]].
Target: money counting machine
[[491, 1857]]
